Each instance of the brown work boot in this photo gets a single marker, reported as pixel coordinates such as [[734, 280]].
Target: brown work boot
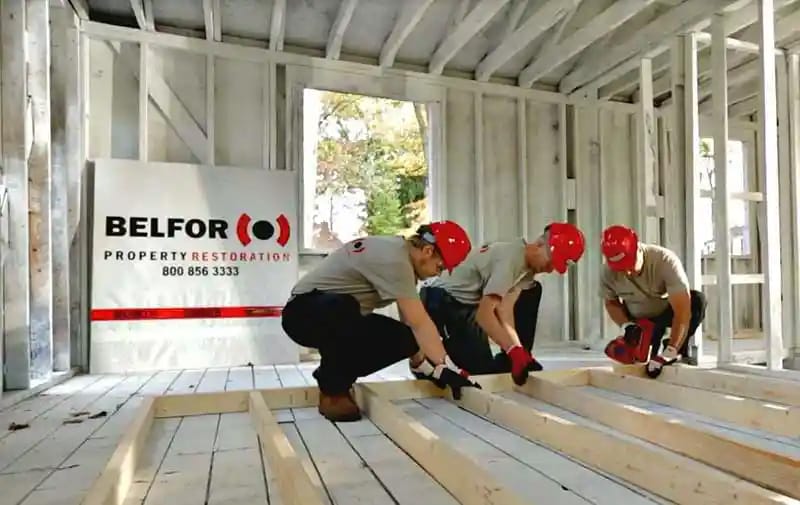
[[339, 408]]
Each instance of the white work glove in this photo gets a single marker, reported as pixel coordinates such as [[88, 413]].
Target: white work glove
[[668, 357], [446, 374]]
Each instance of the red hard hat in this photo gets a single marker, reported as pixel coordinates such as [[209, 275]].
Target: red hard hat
[[452, 242], [567, 244], [619, 246]]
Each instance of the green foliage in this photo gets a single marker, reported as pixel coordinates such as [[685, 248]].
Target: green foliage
[[377, 146]]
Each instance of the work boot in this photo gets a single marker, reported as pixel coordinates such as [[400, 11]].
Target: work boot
[[339, 407]]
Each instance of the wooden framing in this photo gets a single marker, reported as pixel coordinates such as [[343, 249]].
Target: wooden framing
[[701, 464]]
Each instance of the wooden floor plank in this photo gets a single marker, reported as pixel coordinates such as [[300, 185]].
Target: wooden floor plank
[[183, 476], [299, 446], [567, 473], [186, 382], [347, 479], [213, 380], [290, 376], [240, 378], [408, 483], [158, 442], [17, 443], [266, 377]]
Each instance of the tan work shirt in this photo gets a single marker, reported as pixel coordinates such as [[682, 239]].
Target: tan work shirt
[[494, 268], [646, 294], [375, 270]]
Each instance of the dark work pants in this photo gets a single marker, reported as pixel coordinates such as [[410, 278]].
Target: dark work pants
[[664, 321], [350, 344], [465, 341]]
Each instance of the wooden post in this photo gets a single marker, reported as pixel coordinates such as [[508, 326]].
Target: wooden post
[[685, 148], [522, 164], [62, 91], [648, 157], [144, 99], [479, 182], [793, 70], [37, 20], [722, 251], [16, 123], [788, 275], [768, 174]]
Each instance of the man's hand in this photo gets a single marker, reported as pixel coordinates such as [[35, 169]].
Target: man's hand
[[447, 374], [668, 357], [521, 363]]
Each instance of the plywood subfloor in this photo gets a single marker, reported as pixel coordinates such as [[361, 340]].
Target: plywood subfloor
[[215, 459]]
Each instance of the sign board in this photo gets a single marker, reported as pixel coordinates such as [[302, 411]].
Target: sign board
[[191, 266]]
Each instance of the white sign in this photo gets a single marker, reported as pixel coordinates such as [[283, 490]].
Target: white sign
[[191, 266]]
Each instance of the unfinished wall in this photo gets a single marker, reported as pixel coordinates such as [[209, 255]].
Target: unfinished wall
[[511, 160]]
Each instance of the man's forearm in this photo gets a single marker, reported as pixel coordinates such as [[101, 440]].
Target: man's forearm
[[429, 341], [679, 330], [499, 331], [616, 312]]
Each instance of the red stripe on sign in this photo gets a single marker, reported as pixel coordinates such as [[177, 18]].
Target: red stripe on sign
[[184, 313]]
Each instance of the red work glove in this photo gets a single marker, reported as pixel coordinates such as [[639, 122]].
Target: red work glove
[[521, 363]]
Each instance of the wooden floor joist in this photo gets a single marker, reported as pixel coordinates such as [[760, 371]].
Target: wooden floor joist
[[773, 417], [655, 455]]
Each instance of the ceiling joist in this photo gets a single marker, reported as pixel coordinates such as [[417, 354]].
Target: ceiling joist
[[213, 20], [648, 42], [336, 35], [410, 14], [277, 28], [537, 23], [472, 23], [556, 54]]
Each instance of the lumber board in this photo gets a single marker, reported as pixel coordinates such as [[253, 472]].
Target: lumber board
[[294, 484], [775, 471], [775, 418], [724, 381], [112, 486], [224, 402], [681, 480], [460, 475]]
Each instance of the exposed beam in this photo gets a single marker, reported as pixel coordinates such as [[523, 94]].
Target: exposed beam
[[213, 20], [722, 248], [767, 148], [410, 14], [336, 35], [646, 43], [478, 17], [736, 94], [647, 147], [556, 54], [15, 138], [745, 108], [81, 8], [738, 45], [277, 29], [547, 15], [515, 13], [785, 26], [170, 105], [143, 10]]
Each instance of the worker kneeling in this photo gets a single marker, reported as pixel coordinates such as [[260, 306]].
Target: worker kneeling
[[493, 296], [646, 290], [331, 309]]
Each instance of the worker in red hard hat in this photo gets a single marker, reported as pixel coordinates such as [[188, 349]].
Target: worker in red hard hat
[[331, 309], [493, 296], [646, 290]]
